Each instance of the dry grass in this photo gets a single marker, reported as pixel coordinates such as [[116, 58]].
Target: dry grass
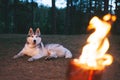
[[56, 69]]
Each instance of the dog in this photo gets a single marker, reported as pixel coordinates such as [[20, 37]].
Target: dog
[[35, 48]]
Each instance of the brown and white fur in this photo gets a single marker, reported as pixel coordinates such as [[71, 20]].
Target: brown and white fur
[[35, 48]]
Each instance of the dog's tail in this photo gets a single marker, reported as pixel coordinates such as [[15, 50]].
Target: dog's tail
[[68, 54]]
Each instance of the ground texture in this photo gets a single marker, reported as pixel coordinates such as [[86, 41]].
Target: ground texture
[[54, 69]]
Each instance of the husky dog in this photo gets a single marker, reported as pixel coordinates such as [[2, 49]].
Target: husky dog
[[35, 48]]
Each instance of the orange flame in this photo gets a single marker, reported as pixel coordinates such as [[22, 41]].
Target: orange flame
[[93, 53]]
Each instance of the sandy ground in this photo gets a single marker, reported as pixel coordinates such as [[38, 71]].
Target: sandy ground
[[54, 69]]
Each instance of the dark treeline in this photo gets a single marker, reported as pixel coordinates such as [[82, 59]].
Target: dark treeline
[[17, 16]]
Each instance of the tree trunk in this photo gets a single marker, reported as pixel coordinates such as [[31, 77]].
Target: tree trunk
[[32, 14], [116, 6], [68, 17], [54, 17], [106, 4], [15, 20], [90, 3], [6, 16]]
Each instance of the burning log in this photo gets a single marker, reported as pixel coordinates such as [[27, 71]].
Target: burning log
[[77, 72], [93, 60]]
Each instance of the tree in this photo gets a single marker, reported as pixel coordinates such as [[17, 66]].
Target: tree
[[106, 4], [23, 15], [6, 15], [53, 17], [32, 9], [117, 8], [69, 17]]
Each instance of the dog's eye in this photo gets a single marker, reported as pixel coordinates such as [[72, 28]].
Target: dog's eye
[[37, 36], [28, 36]]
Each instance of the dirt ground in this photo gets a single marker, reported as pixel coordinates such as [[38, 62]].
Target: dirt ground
[[54, 69]]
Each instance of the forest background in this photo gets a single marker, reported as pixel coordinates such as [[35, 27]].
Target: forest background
[[17, 16]]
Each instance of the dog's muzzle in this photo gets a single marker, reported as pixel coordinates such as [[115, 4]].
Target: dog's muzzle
[[34, 41]]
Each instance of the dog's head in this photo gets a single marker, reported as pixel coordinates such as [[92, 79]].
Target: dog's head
[[34, 37]]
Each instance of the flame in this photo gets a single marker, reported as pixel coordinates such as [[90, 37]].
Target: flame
[[93, 53]]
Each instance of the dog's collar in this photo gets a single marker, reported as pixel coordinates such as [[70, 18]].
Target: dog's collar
[[38, 45]]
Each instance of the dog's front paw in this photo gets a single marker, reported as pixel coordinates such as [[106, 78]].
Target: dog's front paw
[[30, 59], [16, 56]]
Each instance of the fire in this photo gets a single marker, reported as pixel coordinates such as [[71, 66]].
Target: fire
[[93, 53]]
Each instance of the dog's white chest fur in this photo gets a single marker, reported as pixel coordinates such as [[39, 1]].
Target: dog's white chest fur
[[31, 51]]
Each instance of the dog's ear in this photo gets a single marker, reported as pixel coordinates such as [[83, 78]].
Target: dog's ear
[[38, 32], [30, 32]]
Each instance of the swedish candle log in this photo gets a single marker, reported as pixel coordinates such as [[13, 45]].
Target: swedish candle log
[[77, 71]]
